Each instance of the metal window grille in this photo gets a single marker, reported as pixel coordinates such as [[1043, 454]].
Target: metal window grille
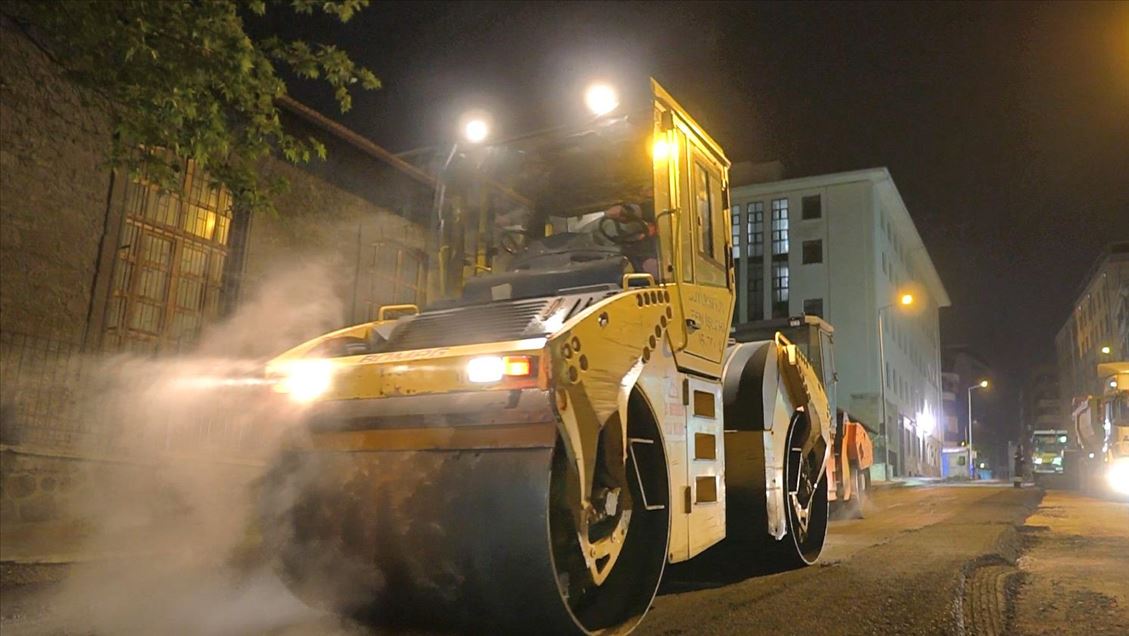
[[736, 216], [755, 223], [780, 282], [780, 226], [756, 294], [169, 266]]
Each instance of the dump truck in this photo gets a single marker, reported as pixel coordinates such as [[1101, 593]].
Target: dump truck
[[1100, 461], [852, 450], [567, 415]]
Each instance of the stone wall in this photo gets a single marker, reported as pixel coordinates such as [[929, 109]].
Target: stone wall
[[326, 227], [55, 205], [53, 191]]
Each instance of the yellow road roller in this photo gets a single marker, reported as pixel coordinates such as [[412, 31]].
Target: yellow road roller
[[568, 414]]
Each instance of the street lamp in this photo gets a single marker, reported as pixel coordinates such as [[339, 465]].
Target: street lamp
[[983, 384], [905, 299]]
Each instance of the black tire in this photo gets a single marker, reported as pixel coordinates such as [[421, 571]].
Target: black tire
[[802, 545]]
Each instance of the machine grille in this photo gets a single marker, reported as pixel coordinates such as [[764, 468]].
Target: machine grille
[[470, 325]]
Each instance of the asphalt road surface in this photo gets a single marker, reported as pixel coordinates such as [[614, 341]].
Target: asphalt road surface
[[927, 559]]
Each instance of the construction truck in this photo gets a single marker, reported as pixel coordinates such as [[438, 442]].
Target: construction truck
[[568, 414], [1048, 449], [852, 451], [1100, 462]]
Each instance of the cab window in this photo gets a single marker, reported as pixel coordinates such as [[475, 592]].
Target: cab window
[[708, 206]]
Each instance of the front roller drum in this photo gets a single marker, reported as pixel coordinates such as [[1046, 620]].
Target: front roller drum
[[470, 540]]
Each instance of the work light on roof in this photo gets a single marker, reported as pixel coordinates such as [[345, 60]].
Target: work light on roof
[[475, 130], [601, 99]]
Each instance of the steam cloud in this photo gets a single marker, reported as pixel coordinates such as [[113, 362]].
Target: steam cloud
[[172, 532]]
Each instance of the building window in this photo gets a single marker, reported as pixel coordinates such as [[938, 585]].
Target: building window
[[779, 290], [811, 207], [755, 212], [813, 252], [170, 261], [736, 223], [779, 226], [813, 307], [756, 294]]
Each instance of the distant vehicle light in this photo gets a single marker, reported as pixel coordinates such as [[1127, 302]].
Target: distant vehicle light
[[1057, 461], [1106, 350], [1039, 460], [1117, 475], [601, 99], [488, 369]]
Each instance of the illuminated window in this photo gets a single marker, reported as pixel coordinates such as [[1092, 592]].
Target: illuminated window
[[170, 260], [755, 212], [736, 224], [812, 252], [779, 226], [811, 207], [779, 290]]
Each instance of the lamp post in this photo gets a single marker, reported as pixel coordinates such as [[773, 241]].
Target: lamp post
[[905, 299], [983, 384]]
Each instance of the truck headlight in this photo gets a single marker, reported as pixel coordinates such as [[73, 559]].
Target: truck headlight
[[487, 369], [1117, 475], [303, 380], [1057, 461], [1038, 460]]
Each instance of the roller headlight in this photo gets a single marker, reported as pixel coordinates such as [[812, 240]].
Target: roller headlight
[[1117, 475], [488, 369], [303, 380]]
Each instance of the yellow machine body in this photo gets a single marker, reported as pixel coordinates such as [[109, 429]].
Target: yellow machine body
[[551, 498]]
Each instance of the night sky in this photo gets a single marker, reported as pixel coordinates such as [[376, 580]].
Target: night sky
[[1005, 126]]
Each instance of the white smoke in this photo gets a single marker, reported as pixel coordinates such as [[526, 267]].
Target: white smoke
[[171, 533]]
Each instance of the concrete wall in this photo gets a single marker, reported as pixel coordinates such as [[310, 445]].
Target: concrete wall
[[53, 192]]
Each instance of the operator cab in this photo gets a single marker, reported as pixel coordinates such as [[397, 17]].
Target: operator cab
[[812, 335], [572, 207]]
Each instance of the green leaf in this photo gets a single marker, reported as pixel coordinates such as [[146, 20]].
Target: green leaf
[[186, 77]]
